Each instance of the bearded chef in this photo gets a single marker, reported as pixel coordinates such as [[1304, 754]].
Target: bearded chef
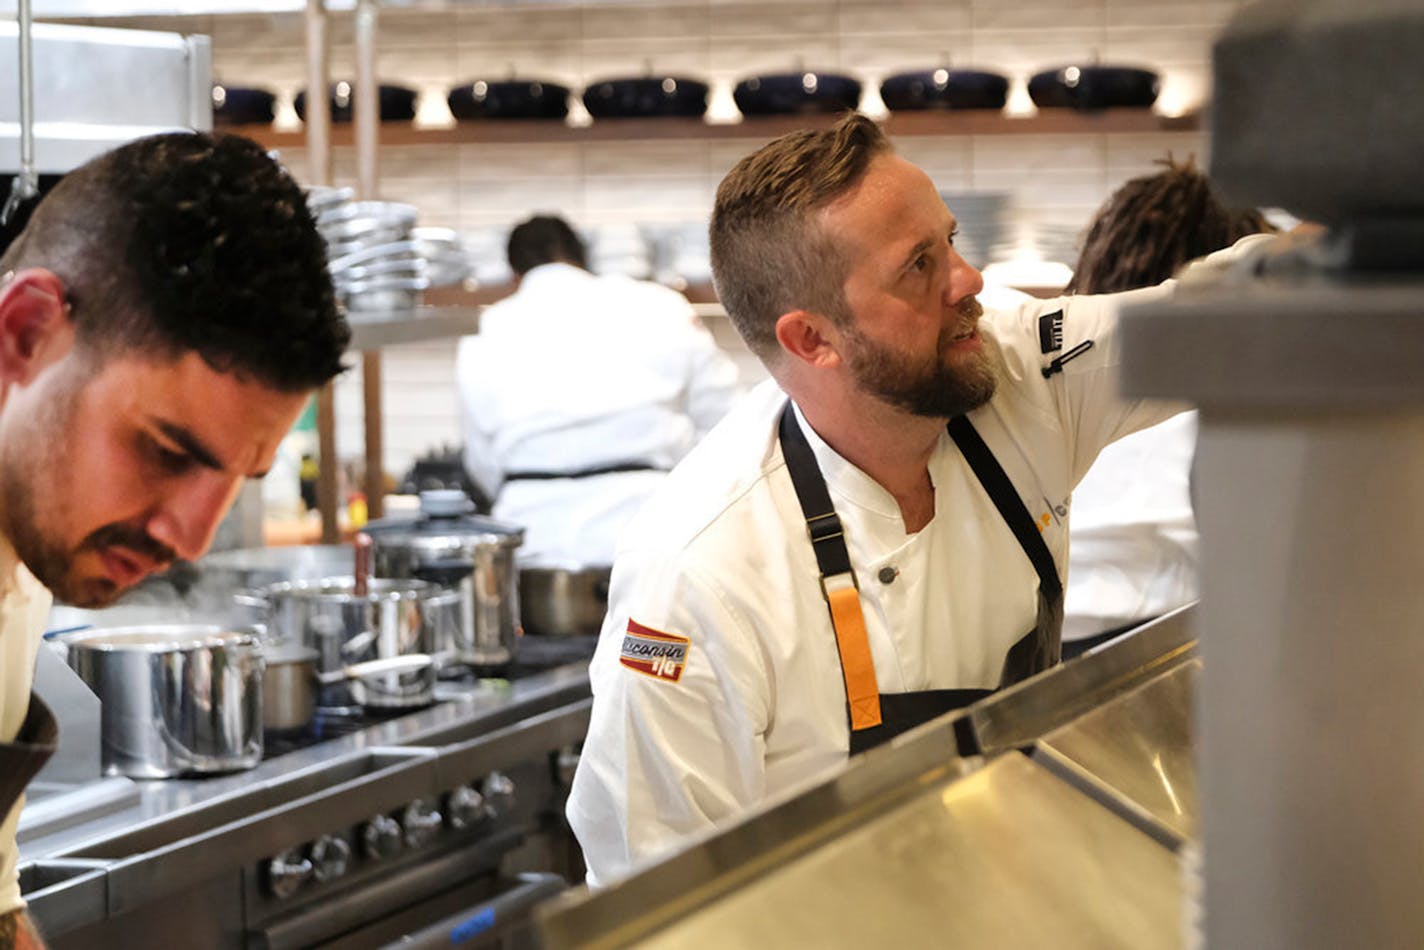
[[876, 536]]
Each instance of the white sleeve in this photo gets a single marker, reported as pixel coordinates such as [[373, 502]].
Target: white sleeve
[[667, 760], [480, 464]]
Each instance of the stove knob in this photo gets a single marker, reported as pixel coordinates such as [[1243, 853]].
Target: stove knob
[[331, 855], [381, 837], [465, 807], [287, 872], [421, 823], [498, 791]]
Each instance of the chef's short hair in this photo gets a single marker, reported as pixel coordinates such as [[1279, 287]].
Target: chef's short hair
[[769, 255], [192, 242], [544, 239]]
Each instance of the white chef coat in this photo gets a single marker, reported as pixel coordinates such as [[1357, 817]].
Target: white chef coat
[[1134, 538], [720, 558], [24, 604], [576, 371]]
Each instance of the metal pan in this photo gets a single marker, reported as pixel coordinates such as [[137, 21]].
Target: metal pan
[[396, 103], [944, 88], [646, 97], [508, 99], [797, 93], [1095, 87]]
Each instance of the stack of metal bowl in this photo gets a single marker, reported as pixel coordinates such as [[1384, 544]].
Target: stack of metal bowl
[[380, 261]]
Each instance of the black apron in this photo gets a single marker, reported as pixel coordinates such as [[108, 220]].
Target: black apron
[[875, 718], [22, 757]]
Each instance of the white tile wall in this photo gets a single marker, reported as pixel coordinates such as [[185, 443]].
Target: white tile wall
[[1055, 180]]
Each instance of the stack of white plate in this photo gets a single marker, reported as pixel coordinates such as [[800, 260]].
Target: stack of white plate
[[379, 261]]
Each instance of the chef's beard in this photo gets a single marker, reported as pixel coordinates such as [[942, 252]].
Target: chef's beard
[[942, 384], [35, 480]]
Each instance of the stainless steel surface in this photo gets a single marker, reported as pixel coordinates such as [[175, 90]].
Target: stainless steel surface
[[1015, 717], [426, 323], [395, 618], [473, 557], [176, 700], [97, 88], [1138, 747], [556, 602], [289, 686], [1004, 855], [192, 853]]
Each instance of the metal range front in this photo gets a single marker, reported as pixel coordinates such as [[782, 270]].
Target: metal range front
[[435, 828]]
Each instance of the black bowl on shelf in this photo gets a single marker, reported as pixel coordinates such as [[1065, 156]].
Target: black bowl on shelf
[[241, 105], [395, 103], [797, 93], [1095, 87], [646, 97], [508, 99], [944, 88]]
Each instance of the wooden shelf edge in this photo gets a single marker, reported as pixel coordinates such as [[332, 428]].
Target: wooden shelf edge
[[1047, 121]]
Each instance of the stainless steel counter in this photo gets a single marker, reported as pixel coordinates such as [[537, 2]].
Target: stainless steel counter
[[252, 850], [1055, 813]]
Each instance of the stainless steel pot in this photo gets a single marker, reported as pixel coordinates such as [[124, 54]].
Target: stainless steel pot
[[289, 686], [292, 684], [393, 618], [563, 603], [175, 699], [465, 553]]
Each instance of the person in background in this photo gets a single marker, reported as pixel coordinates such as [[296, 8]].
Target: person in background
[[874, 537], [578, 395], [164, 316], [1133, 544]]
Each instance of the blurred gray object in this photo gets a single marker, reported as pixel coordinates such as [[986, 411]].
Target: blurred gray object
[[1322, 116], [980, 216]]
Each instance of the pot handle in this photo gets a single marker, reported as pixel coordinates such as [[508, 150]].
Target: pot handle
[[408, 663], [250, 598]]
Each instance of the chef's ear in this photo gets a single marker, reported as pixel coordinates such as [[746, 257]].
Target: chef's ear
[[35, 329], [809, 337]]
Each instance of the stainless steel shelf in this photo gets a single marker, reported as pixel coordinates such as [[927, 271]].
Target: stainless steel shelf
[[374, 331]]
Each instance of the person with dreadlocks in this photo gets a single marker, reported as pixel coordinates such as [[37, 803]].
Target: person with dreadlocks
[[1133, 541]]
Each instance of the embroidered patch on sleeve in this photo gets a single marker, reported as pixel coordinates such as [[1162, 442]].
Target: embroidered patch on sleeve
[[653, 653]]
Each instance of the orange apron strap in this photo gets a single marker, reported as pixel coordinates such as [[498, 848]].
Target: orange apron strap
[[859, 668]]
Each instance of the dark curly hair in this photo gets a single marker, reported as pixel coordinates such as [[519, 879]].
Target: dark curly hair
[[1153, 225], [192, 242], [544, 239]]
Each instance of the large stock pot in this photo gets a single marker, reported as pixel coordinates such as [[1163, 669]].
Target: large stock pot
[[346, 626], [472, 556], [175, 699]]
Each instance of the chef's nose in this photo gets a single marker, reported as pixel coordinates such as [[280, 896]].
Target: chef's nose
[[187, 517], [965, 280]]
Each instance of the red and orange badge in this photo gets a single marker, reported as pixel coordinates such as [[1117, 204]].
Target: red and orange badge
[[654, 653]]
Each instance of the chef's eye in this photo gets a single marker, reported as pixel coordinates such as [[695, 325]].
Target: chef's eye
[[170, 460], [921, 263], [952, 235]]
